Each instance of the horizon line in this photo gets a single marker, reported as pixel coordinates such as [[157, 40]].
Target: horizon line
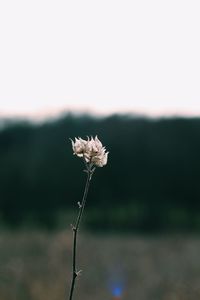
[[45, 114]]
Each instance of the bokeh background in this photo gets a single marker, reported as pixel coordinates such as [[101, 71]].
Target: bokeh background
[[127, 71]]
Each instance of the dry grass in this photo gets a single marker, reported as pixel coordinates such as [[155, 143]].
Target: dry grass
[[37, 266]]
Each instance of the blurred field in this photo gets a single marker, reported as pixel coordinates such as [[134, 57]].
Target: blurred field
[[37, 266]]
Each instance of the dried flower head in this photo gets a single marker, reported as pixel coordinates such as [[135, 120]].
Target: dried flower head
[[91, 150], [79, 146]]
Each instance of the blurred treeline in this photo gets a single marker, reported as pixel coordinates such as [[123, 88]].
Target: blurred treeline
[[151, 182]]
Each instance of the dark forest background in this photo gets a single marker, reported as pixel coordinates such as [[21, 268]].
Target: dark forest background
[[150, 184]]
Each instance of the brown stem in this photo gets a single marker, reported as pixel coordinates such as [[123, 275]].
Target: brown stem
[[76, 228]]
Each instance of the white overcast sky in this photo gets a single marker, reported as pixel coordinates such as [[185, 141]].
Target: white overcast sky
[[102, 56]]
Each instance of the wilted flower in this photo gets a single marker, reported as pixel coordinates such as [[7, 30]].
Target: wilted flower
[[94, 155], [79, 146], [91, 150]]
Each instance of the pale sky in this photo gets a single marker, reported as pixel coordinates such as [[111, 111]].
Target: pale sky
[[102, 56]]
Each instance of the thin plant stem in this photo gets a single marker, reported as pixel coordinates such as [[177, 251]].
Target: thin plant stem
[[75, 229]]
